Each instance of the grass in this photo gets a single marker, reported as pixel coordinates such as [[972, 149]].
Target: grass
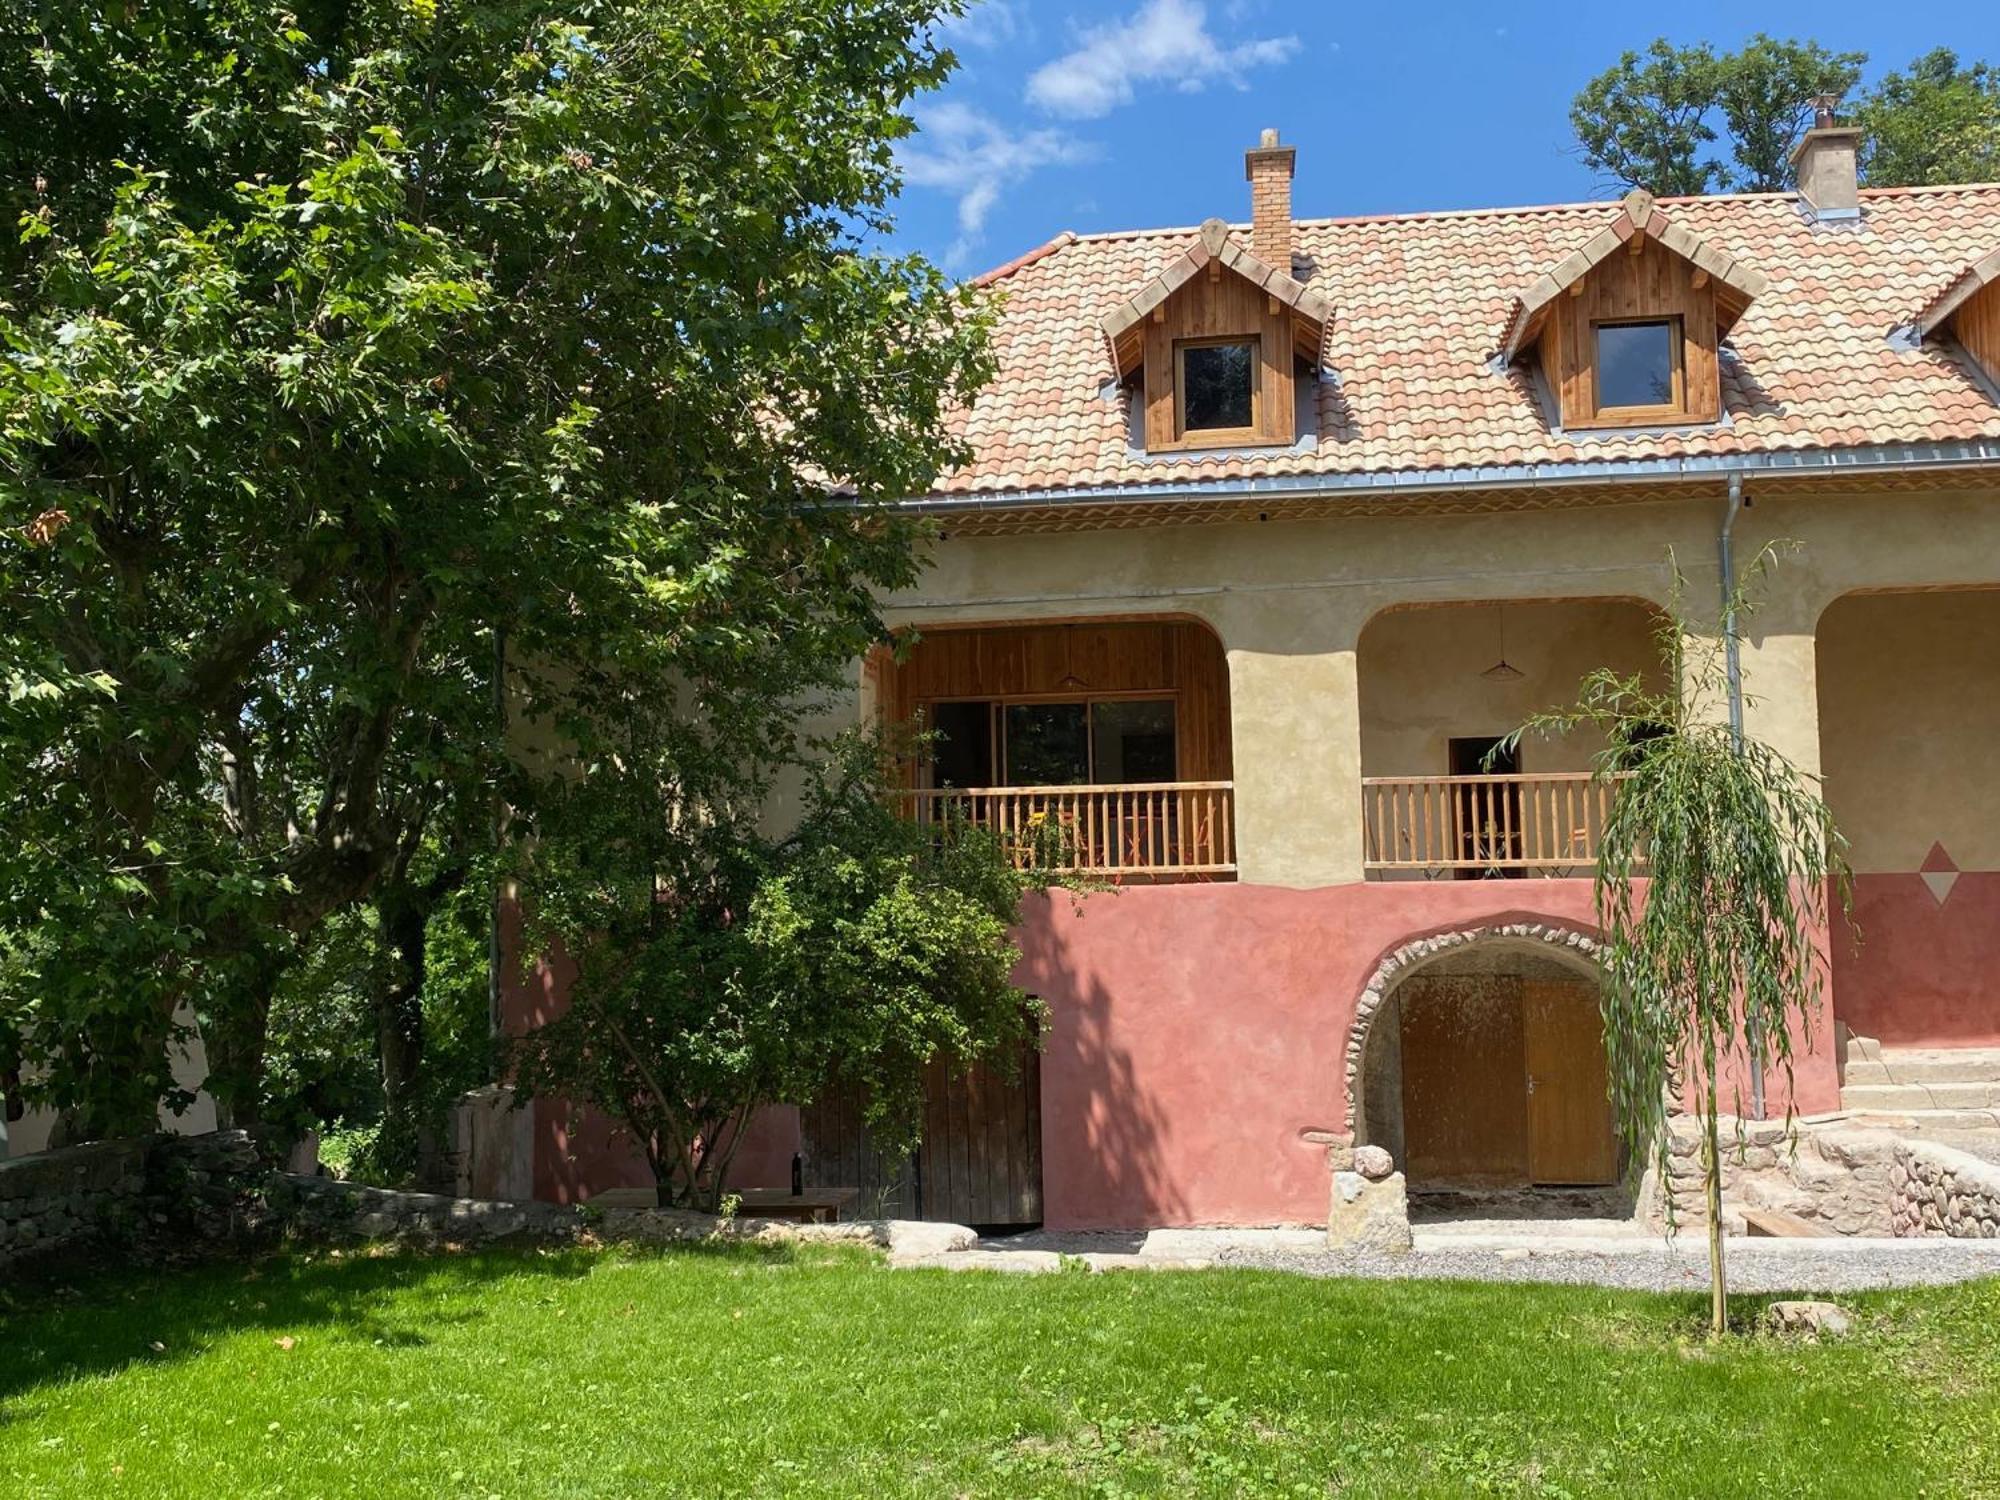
[[812, 1372]]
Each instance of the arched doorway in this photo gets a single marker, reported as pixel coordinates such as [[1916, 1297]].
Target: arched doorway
[[1482, 1065]]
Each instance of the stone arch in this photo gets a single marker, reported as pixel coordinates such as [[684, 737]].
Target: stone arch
[[1555, 939]]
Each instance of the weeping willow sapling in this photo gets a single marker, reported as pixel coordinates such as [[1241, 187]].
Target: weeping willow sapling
[[1716, 873]]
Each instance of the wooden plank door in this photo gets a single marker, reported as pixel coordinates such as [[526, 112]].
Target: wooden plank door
[[980, 1160], [1572, 1138], [1464, 1117], [839, 1153]]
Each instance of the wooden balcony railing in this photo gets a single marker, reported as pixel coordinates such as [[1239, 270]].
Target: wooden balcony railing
[[1500, 825], [1161, 830]]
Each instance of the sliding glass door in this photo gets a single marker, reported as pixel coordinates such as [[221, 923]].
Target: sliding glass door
[[1078, 742]]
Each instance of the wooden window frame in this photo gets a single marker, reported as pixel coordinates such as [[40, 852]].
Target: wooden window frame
[[1642, 416], [1220, 437], [1000, 705]]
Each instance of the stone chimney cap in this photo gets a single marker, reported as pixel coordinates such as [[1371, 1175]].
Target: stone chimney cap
[[1826, 127], [1267, 153]]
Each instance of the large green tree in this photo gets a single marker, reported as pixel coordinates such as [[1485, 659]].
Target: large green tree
[[1687, 119], [351, 345], [1937, 121]]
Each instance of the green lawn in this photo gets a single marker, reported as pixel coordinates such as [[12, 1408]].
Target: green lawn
[[767, 1373]]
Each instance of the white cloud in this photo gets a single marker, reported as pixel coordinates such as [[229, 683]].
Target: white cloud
[[1164, 41], [973, 157]]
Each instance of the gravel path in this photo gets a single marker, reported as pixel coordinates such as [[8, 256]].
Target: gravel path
[[1638, 1262], [1769, 1266]]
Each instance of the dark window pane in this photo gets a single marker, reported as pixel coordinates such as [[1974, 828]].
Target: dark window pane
[[1047, 744], [1215, 385], [962, 752], [1133, 740], [1635, 364]]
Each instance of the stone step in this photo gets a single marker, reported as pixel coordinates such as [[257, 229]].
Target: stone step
[[1926, 1065], [1925, 1121], [1900, 1096]]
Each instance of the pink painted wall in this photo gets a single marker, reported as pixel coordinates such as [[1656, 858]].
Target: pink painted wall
[[1925, 973], [1198, 1030]]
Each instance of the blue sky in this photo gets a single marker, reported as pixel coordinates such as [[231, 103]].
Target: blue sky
[[1122, 114]]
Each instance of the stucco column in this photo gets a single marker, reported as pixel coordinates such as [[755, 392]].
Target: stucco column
[[1296, 731], [1781, 710], [1780, 667]]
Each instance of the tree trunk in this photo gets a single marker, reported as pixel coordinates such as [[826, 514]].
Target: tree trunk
[[399, 1010], [235, 1043], [1718, 1310]]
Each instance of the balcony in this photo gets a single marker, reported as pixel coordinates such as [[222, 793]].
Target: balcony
[[1141, 831], [1474, 827]]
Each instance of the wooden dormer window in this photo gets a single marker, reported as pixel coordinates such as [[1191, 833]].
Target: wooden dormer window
[[1215, 346], [1628, 326], [1640, 370], [1216, 389]]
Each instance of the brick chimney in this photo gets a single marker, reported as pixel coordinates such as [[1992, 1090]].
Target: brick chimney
[[1827, 162], [1269, 168]]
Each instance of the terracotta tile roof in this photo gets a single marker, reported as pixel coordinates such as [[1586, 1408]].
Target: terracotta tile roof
[[1421, 303]]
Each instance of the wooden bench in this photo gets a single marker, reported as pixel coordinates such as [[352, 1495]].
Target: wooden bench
[[813, 1206], [1769, 1223]]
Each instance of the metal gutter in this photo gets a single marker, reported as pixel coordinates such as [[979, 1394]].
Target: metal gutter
[[1732, 649], [1876, 459]]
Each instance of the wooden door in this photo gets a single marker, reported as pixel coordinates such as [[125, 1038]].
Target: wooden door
[[1488, 814], [1572, 1138], [1464, 1109], [979, 1163]]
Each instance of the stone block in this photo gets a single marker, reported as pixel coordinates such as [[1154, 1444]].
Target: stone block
[[1371, 1215], [1820, 1319], [1373, 1162]]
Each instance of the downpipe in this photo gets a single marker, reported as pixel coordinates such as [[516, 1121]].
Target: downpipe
[[1732, 658]]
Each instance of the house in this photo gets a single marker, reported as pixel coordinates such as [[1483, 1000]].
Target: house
[[1272, 530]]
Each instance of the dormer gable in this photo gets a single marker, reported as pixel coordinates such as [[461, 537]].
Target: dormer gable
[[1969, 310], [1627, 326], [1217, 339]]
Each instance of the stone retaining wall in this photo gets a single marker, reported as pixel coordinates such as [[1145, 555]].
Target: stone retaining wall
[[325, 1208], [1937, 1191], [1838, 1176], [165, 1197], [166, 1192]]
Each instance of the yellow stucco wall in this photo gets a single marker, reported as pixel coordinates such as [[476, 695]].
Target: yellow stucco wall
[[1290, 600], [1909, 706], [1422, 679]]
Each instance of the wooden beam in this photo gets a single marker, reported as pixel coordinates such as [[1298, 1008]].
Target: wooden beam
[[1160, 313], [1272, 304], [1773, 1224], [1700, 279], [1637, 243]]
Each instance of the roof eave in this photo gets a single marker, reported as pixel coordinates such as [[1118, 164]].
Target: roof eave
[[1867, 459]]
